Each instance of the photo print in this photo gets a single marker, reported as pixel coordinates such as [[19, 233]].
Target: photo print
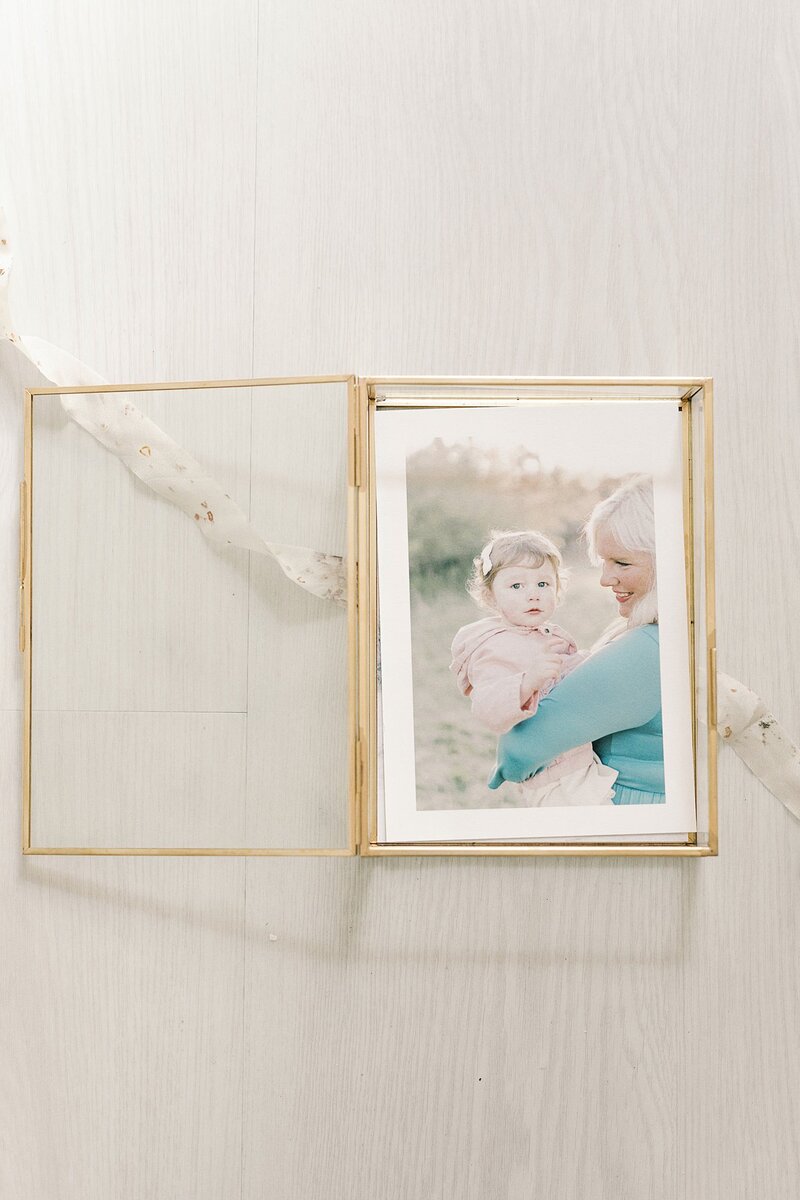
[[535, 652]]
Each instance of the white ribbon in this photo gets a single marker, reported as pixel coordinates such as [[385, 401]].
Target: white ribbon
[[745, 723]]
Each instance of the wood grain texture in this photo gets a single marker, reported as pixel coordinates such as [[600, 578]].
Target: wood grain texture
[[121, 1034], [512, 189], [130, 149], [129, 139], [118, 779], [740, 113]]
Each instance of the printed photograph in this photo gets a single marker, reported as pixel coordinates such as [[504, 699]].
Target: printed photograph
[[521, 556]]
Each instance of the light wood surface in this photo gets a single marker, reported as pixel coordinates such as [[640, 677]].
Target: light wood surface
[[138, 778], [527, 189]]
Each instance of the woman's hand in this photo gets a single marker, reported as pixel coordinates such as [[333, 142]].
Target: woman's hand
[[514, 764]]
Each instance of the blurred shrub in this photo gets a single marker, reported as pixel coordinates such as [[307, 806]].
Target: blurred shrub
[[457, 494]]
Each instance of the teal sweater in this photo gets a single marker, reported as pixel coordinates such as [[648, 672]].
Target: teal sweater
[[612, 700]]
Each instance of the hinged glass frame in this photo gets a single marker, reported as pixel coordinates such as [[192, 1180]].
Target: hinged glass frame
[[365, 396]]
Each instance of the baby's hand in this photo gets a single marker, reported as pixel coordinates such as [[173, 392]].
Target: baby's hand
[[548, 667]]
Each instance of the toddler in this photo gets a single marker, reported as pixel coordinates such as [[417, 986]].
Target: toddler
[[506, 662]]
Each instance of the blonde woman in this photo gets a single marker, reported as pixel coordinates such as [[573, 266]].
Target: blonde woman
[[613, 699]]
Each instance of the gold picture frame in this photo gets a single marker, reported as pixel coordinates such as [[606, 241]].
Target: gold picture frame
[[365, 394], [694, 396]]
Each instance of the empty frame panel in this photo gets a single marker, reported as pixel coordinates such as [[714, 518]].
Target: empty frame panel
[[186, 693]]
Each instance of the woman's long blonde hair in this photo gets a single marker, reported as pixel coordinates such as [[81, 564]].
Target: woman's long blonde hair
[[627, 515]]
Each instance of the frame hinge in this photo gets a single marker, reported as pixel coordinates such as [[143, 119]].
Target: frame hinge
[[358, 787], [360, 767], [712, 685], [355, 474], [358, 418]]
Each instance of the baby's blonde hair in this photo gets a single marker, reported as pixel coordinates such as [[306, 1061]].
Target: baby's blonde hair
[[512, 548]]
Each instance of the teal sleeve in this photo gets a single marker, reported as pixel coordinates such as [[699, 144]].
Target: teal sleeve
[[618, 688]]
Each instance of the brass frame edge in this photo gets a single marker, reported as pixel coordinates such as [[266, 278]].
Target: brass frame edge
[[368, 691], [354, 792], [551, 850], [689, 382], [190, 851], [179, 385], [23, 558], [710, 613], [26, 584], [688, 554]]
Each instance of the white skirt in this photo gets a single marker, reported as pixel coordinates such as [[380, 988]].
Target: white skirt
[[589, 784]]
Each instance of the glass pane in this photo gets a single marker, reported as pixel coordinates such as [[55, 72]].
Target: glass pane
[[185, 692]]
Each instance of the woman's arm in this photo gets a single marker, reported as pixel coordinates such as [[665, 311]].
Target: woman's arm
[[618, 688]]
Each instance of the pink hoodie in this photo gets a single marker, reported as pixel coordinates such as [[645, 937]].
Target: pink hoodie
[[490, 659]]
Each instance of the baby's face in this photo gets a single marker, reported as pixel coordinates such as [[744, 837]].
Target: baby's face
[[525, 596]]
